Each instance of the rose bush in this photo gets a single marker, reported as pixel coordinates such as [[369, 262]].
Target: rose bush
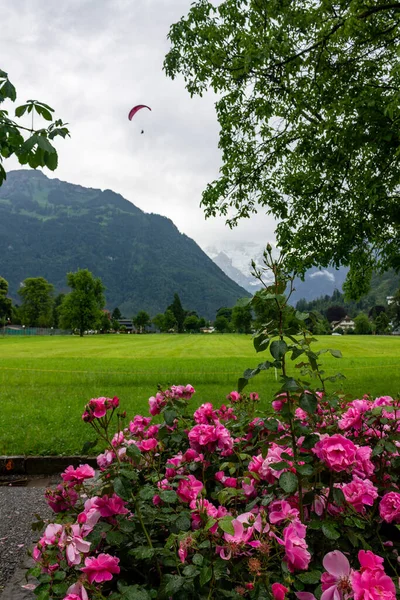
[[223, 502]]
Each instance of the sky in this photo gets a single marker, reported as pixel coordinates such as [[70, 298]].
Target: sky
[[92, 60]]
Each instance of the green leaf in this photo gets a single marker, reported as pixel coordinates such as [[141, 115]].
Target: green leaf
[[330, 531], [288, 482], [205, 575], [335, 353], [142, 552], [51, 160], [8, 90], [241, 384], [123, 488], [20, 110], [261, 342], [88, 446], [183, 523], [198, 559], [338, 496], [44, 144], [310, 577], [170, 415], [305, 470], [226, 525], [168, 496], [190, 571], [133, 452], [278, 349], [115, 538], [308, 402]]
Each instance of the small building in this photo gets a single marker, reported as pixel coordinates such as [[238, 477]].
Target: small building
[[127, 323], [346, 323]]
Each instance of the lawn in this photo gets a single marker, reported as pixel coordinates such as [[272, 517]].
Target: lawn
[[45, 381]]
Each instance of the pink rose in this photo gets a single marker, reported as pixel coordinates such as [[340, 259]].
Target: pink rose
[[101, 568], [108, 506], [373, 585], [78, 475], [360, 493], [296, 553], [189, 489], [389, 507], [336, 451], [279, 591]]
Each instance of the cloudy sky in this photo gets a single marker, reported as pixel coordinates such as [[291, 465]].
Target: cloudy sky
[[92, 60]]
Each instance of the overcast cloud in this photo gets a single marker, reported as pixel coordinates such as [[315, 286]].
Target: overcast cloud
[[92, 61]]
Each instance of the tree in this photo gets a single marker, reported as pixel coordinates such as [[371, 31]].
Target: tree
[[221, 324], [56, 309], [5, 303], [308, 112], [37, 302], [170, 321], [159, 322], [376, 310], [242, 318], [81, 308], [141, 321], [179, 313], [104, 324], [225, 312], [29, 145], [362, 324], [191, 323], [381, 323], [335, 313], [116, 314], [394, 309]]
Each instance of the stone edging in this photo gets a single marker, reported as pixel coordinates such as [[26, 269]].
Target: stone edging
[[41, 465]]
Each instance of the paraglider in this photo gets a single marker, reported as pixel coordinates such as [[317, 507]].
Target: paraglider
[[134, 110]]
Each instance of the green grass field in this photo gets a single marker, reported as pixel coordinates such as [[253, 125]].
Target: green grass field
[[46, 381]]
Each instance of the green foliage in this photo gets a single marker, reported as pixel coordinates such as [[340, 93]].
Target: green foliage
[[222, 324], [362, 324], [5, 303], [37, 302], [116, 314], [382, 323], [30, 146], [141, 321], [191, 323], [242, 318], [179, 313], [285, 335], [81, 308], [308, 109], [394, 309], [104, 323]]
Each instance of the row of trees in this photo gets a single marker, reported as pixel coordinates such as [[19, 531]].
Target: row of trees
[[81, 309]]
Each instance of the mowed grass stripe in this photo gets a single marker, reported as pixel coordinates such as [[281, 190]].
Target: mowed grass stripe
[[44, 382]]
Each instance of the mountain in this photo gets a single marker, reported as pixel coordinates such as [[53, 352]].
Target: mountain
[[235, 261], [49, 227]]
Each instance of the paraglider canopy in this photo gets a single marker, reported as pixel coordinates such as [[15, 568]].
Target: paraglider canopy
[[134, 110]]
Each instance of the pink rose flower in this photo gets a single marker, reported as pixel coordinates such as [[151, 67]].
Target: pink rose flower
[[337, 579], [78, 475], [279, 591], [108, 506], [148, 445], [102, 568], [336, 451], [296, 553], [74, 544], [157, 403], [234, 397], [360, 493], [389, 507], [189, 489], [76, 592]]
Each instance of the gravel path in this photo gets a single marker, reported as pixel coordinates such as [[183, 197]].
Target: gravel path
[[18, 506]]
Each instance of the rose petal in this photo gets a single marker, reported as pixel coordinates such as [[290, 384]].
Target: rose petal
[[336, 564]]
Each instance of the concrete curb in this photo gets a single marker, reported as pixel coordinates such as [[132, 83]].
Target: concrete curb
[[41, 465]]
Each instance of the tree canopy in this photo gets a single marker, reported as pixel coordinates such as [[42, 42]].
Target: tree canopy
[[37, 302], [30, 144], [308, 106], [82, 308], [5, 303]]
